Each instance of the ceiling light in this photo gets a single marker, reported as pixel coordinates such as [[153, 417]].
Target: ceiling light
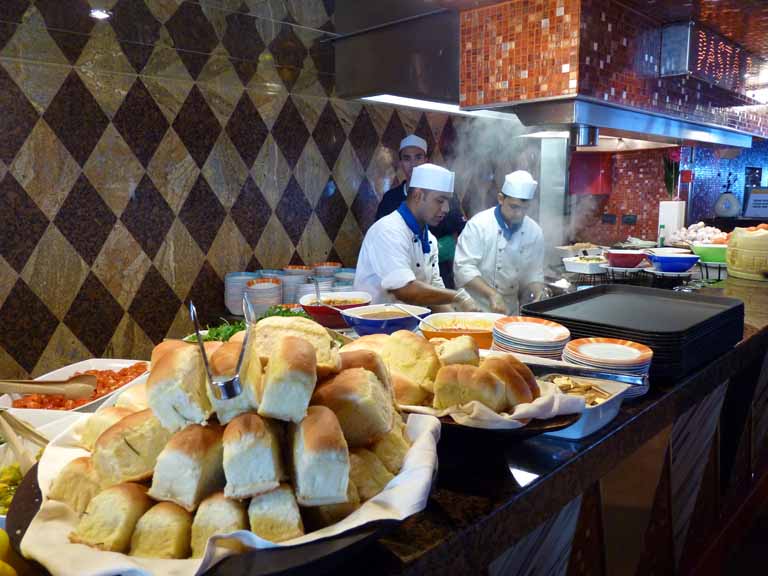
[[436, 106], [100, 14]]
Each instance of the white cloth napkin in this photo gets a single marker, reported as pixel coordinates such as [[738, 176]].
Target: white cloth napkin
[[551, 403], [47, 542]]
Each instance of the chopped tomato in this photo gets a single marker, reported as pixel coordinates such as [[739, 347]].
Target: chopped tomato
[[106, 381]]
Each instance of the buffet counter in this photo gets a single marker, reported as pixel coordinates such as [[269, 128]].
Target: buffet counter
[[647, 492]]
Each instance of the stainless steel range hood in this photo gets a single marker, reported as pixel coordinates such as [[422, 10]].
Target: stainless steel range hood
[[411, 49]]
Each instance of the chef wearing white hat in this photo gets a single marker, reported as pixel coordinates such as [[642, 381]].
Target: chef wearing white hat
[[399, 257], [412, 153], [500, 252]]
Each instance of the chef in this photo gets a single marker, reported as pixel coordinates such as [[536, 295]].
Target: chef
[[413, 152], [500, 252], [399, 257]]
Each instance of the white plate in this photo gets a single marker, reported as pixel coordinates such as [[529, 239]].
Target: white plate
[[617, 269], [669, 274], [6, 400]]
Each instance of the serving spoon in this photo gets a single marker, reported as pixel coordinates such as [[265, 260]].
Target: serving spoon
[[419, 318]]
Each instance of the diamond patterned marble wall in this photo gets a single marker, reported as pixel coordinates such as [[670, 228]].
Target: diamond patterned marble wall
[[145, 156]]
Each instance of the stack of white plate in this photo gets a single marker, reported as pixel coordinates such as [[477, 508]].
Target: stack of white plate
[[609, 354], [345, 276], [614, 356], [234, 287], [533, 336], [263, 293]]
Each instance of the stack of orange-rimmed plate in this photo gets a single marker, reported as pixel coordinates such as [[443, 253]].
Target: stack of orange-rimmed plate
[[609, 354], [263, 293], [527, 335]]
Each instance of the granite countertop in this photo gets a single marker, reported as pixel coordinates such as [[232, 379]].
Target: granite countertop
[[487, 496]]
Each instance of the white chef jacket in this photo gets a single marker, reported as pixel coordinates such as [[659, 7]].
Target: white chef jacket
[[505, 265], [391, 257]]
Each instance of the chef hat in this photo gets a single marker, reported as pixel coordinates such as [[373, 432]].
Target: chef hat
[[519, 184], [432, 177], [415, 141]]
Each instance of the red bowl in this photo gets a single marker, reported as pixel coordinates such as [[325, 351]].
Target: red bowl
[[624, 258], [327, 316]]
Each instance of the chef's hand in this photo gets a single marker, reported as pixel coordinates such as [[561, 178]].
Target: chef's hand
[[464, 302], [497, 304]]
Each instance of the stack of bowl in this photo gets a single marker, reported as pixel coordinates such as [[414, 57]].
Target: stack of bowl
[[234, 287], [263, 293], [326, 269]]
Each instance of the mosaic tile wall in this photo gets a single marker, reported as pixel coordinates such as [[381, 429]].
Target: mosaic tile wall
[[518, 51], [710, 174], [637, 188], [611, 56], [144, 157]]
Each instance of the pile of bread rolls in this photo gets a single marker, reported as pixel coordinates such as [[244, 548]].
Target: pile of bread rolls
[[445, 373], [313, 434]]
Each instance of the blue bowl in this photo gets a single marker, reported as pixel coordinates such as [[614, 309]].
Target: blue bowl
[[673, 262], [365, 326]]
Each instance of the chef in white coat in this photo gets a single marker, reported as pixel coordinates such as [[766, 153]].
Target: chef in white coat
[[500, 253], [398, 260]]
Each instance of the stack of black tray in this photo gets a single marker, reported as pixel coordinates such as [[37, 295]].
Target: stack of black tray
[[684, 330]]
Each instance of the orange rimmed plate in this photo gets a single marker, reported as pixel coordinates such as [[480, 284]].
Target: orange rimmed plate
[[262, 282], [610, 351], [529, 329]]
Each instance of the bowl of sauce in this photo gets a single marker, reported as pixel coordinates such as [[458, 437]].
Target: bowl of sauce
[[328, 317], [478, 325], [383, 318]]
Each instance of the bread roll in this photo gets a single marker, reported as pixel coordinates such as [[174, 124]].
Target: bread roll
[[371, 361], [322, 516], [76, 485], [190, 467], [134, 398], [526, 374], [211, 346], [217, 514], [163, 532], [176, 389], [275, 515], [111, 516], [164, 347], [412, 356], [372, 342], [224, 363], [127, 451], [361, 404], [320, 459], [458, 384], [289, 381], [237, 337], [516, 388], [99, 422], [460, 350], [252, 461], [368, 473], [392, 448], [407, 392], [268, 332]]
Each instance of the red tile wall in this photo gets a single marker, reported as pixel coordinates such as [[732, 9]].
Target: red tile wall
[[601, 49], [518, 51], [638, 187]]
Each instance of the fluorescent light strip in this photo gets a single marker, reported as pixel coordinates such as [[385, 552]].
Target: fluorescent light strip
[[436, 106]]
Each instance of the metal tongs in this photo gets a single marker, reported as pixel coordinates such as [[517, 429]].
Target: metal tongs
[[224, 387], [14, 430]]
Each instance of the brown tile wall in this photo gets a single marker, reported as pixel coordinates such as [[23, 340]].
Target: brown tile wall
[[612, 56], [144, 157]]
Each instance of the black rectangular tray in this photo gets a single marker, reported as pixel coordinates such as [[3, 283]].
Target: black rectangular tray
[[685, 331], [637, 308]]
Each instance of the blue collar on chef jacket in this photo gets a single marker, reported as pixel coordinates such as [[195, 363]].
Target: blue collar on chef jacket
[[506, 229], [419, 231]]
